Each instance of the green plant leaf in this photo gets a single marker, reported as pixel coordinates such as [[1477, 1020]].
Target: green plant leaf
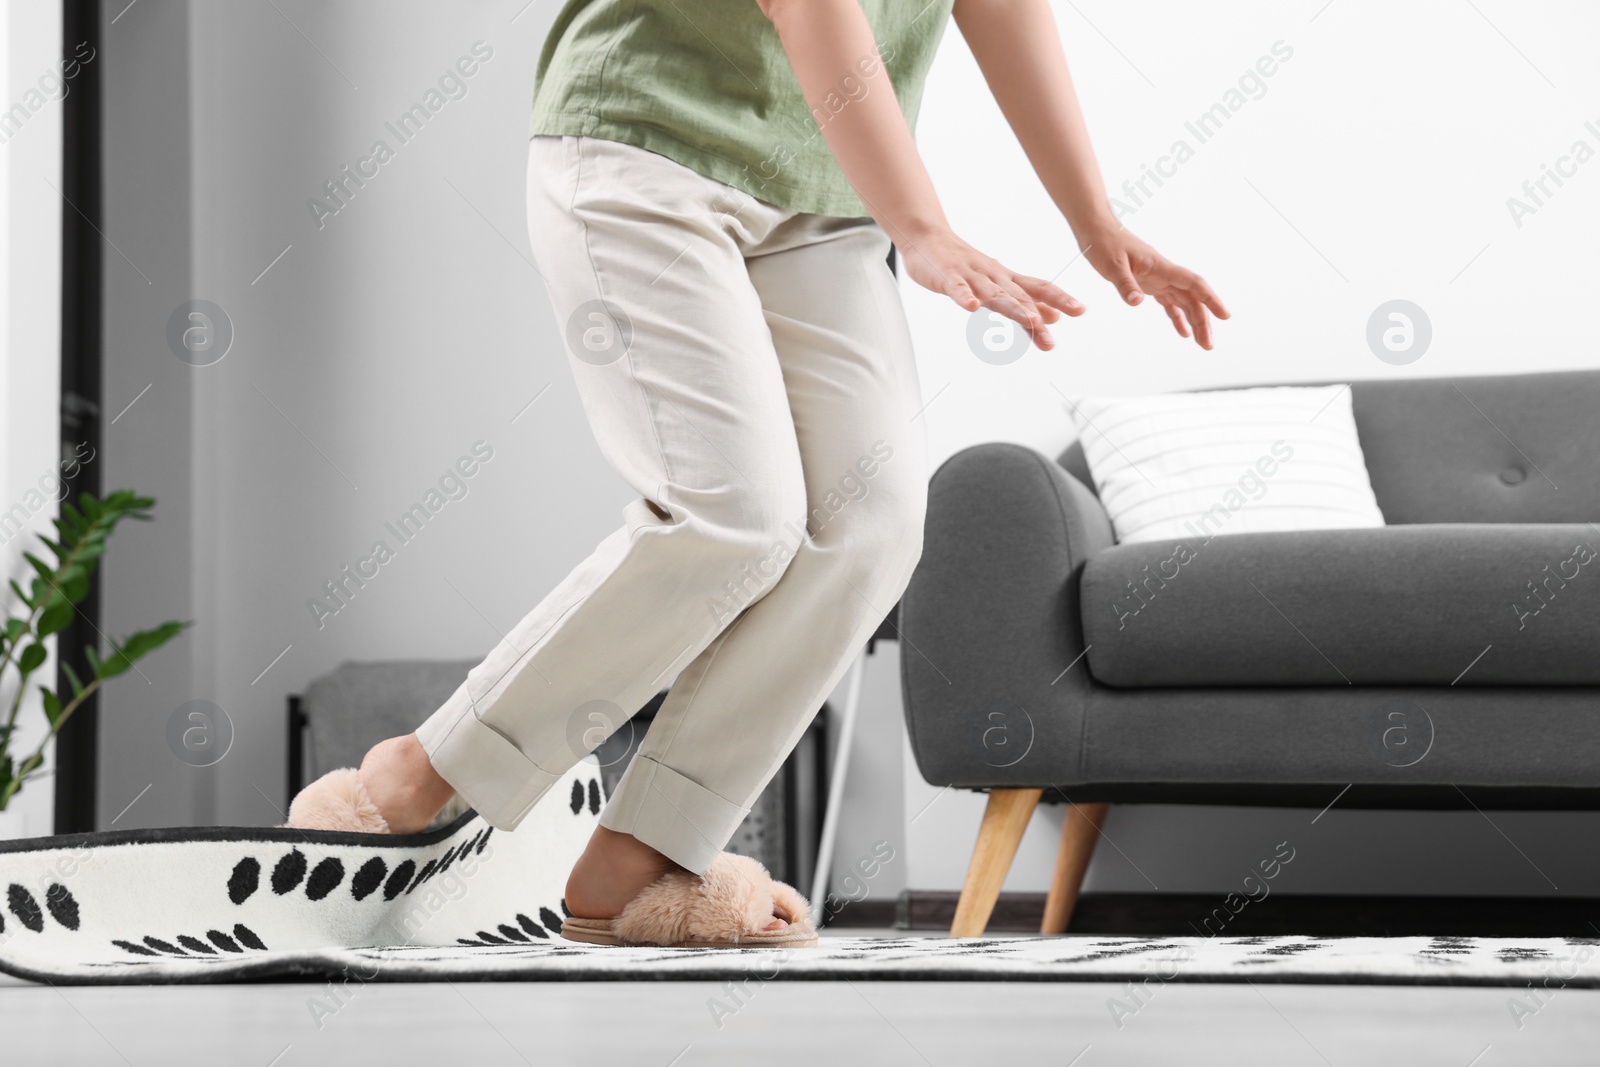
[[90, 550], [108, 668], [136, 647], [72, 518], [72, 679], [47, 572], [147, 641], [55, 617], [75, 588], [72, 582], [128, 500], [60, 551], [31, 658], [82, 530]]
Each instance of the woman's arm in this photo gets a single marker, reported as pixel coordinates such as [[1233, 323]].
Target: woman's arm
[[1019, 51], [829, 42]]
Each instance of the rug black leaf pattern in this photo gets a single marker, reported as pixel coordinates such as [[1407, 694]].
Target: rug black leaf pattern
[[513, 949], [153, 905]]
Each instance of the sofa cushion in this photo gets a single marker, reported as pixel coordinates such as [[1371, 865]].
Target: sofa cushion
[[1426, 604], [1486, 448], [1270, 458]]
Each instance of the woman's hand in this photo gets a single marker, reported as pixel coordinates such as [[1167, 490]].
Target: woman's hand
[[1018, 48], [1136, 269], [873, 146], [944, 263]]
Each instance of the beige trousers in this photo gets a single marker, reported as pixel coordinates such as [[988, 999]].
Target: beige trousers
[[747, 369]]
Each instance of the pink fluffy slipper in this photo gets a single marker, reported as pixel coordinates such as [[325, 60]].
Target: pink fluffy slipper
[[336, 801], [724, 908]]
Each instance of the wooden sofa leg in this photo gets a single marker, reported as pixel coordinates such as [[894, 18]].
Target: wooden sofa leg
[[1004, 821], [1080, 829]]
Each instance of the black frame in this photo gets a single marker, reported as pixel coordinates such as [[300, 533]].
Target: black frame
[[295, 743], [77, 745]]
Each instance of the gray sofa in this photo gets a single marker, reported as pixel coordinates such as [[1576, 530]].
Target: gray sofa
[[1447, 659]]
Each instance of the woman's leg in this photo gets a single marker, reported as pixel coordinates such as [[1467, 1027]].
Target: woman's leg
[[734, 713], [675, 367], [840, 389]]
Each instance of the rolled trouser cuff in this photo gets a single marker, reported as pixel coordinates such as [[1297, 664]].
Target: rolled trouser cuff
[[678, 817], [489, 772]]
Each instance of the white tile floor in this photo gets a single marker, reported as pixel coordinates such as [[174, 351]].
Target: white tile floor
[[882, 1024]]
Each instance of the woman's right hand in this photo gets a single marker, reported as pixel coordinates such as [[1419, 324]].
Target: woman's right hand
[[944, 263]]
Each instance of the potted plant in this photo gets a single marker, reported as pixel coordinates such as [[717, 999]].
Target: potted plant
[[46, 608]]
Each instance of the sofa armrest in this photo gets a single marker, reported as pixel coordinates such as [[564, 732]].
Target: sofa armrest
[[990, 621]]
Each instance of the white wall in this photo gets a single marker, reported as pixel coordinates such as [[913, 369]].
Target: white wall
[[1391, 140], [365, 361], [30, 368]]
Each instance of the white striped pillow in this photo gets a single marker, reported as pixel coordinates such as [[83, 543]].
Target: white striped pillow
[[1192, 465]]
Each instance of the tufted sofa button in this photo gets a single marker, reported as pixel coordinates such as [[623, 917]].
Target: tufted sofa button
[[1513, 475]]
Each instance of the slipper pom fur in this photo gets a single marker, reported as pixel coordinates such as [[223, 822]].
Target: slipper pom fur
[[336, 801], [791, 906], [734, 898]]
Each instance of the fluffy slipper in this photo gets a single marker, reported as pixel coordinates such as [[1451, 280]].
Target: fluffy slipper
[[724, 908], [336, 801]]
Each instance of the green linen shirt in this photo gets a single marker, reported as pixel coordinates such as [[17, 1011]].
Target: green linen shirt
[[706, 83]]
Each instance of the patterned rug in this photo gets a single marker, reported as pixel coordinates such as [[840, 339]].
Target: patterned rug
[[468, 903], [152, 905]]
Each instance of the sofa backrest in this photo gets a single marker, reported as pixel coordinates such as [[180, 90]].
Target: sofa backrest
[[1504, 448], [359, 703]]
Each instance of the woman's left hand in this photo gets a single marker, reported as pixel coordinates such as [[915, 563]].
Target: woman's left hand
[[1136, 269]]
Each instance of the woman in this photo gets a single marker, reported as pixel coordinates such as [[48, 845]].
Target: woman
[[713, 188]]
